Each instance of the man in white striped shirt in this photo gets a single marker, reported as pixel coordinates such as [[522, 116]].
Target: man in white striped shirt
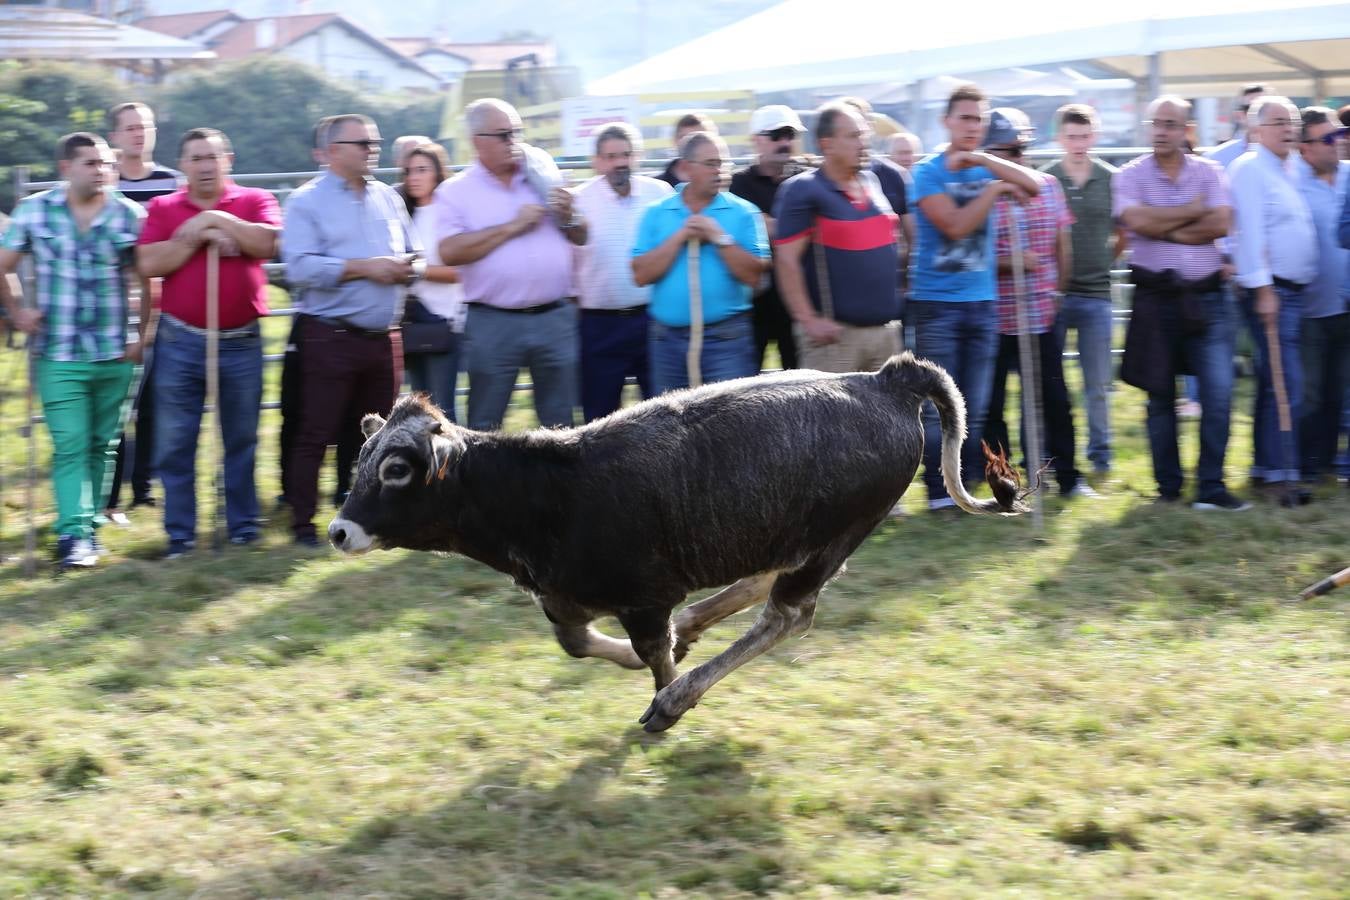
[[1275, 251], [613, 307]]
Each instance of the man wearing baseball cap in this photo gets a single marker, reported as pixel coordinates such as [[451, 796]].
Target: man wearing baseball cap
[[1038, 231], [774, 129]]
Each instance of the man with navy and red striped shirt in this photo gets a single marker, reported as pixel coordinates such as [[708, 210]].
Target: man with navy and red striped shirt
[[836, 252]]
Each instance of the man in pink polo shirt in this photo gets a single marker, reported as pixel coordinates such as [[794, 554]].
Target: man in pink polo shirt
[[509, 231], [243, 223]]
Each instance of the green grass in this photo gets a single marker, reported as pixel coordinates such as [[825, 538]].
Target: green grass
[[1127, 708]]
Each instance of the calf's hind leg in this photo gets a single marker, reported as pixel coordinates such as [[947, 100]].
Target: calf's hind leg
[[696, 618], [790, 611]]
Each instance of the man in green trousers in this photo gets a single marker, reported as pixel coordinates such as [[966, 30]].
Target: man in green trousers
[[81, 235]]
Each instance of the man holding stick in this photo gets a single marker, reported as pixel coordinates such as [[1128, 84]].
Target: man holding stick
[[80, 235], [1275, 251], [704, 251], [241, 225]]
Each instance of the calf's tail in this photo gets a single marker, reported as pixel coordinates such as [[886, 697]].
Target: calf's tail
[[931, 381]]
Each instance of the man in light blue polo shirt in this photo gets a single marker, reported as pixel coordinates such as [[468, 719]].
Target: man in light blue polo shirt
[[733, 252]]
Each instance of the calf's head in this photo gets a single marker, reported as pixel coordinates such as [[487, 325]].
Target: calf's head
[[393, 501]]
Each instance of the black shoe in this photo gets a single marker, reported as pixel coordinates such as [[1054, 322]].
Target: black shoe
[[245, 538], [147, 500], [1221, 501], [307, 541], [179, 549], [1166, 499]]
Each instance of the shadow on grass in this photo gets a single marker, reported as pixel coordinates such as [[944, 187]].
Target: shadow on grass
[[691, 816], [1170, 562], [127, 598]]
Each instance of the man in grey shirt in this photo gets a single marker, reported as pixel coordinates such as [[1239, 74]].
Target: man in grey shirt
[[348, 246], [1097, 243]]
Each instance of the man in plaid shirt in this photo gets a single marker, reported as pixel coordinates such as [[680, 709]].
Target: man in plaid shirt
[[1039, 230], [80, 235]]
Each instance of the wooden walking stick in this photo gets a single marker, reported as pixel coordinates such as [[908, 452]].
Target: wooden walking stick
[[1028, 365], [1286, 419], [692, 360], [213, 390], [30, 476], [1326, 585]]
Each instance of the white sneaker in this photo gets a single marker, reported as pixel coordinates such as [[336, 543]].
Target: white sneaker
[[1083, 489], [941, 503]]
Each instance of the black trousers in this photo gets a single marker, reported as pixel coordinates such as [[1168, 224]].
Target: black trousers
[[1056, 413], [349, 441], [136, 455], [771, 322]]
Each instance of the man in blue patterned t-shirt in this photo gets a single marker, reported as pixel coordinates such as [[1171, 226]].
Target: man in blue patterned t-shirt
[[80, 235], [952, 284]]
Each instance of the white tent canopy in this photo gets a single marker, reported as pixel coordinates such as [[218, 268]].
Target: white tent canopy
[[1191, 47]]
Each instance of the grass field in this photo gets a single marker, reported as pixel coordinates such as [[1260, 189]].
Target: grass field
[[1127, 708]]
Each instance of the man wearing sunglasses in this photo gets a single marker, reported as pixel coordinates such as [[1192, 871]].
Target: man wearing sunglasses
[[774, 130], [350, 252], [81, 235], [1325, 342], [513, 239], [1275, 254]]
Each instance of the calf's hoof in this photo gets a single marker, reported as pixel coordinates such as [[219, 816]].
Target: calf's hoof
[[661, 714]]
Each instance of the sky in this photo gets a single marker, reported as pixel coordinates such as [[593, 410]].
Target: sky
[[597, 38]]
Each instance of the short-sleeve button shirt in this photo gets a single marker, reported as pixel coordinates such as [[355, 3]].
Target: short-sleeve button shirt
[[81, 279]]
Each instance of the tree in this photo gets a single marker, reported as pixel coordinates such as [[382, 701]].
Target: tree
[[40, 102], [268, 108]]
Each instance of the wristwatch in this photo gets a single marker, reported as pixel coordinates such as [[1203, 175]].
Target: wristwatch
[[419, 269], [724, 240]]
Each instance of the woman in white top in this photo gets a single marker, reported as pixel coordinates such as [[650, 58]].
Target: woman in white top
[[439, 296]]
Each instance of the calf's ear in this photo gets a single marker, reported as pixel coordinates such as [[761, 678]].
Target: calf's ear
[[444, 450], [371, 423]]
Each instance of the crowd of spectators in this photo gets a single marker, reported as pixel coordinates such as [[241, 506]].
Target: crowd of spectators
[[682, 279]]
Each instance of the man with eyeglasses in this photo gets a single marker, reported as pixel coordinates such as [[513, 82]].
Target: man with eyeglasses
[[837, 254], [613, 307], [1038, 231], [732, 252], [1174, 207], [1275, 253], [514, 249], [774, 130], [350, 252], [81, 235], [1325, 341], [1227, 153], [952, 284]]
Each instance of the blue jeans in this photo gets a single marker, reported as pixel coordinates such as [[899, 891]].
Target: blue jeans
[[180, 394], [963, 339], [728, 352], [436, 374], [499, 343], [1091, 316], [1209, 354], [1275, 458]]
